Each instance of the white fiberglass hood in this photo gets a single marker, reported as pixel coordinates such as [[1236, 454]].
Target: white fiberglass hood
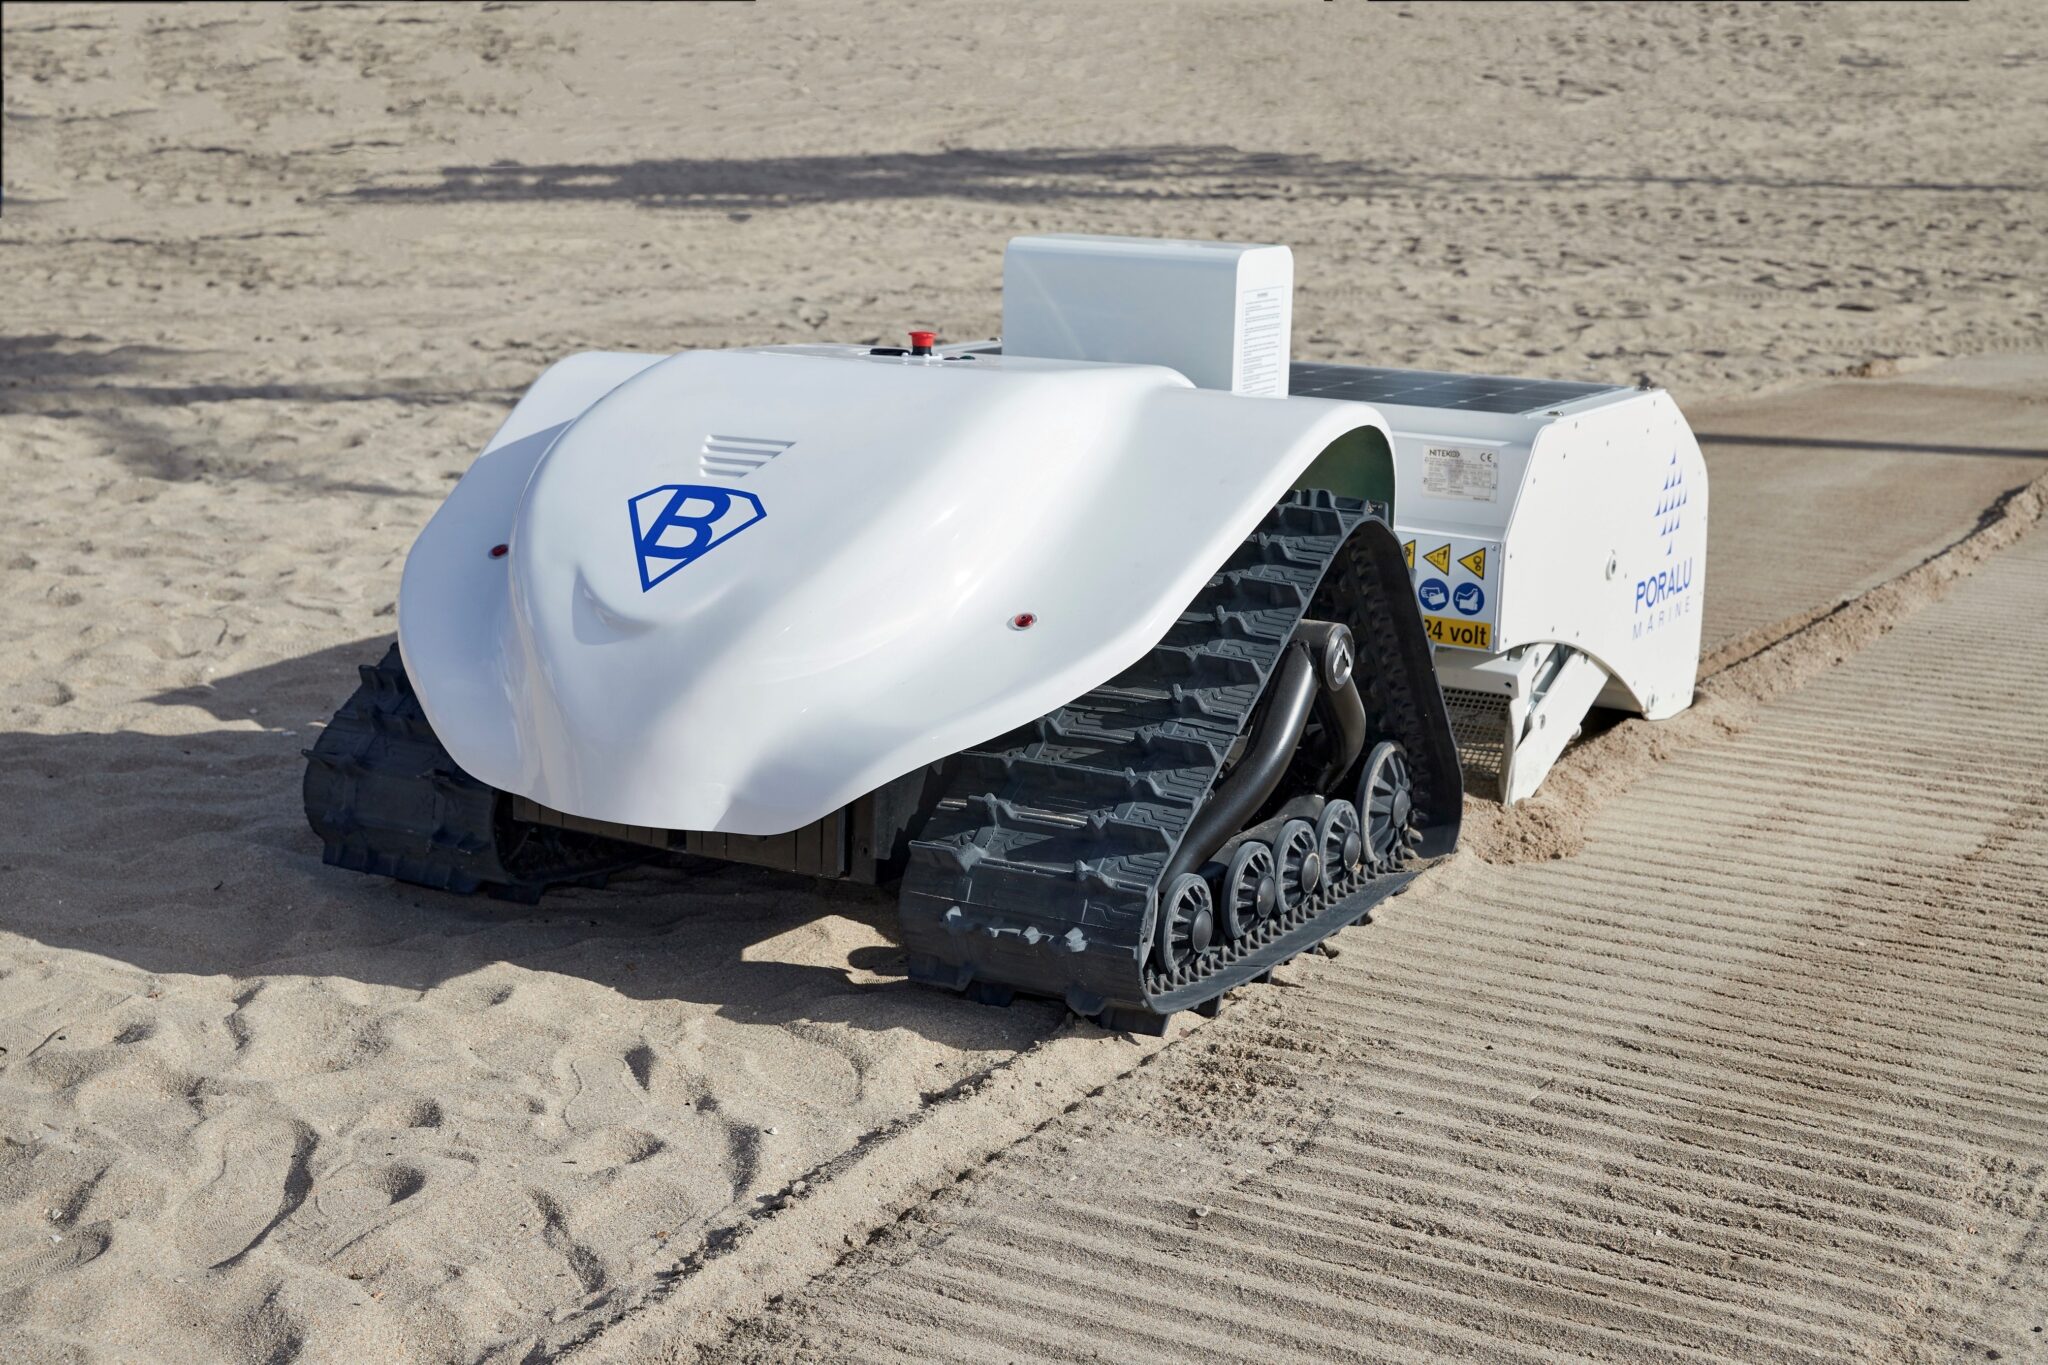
[[738, 589]]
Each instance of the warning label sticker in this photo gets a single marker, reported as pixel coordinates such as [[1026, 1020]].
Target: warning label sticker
[[1446, 630], [1471, 473], [1460, 606]]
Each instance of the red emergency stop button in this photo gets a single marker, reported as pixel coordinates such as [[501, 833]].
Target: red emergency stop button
[[921, 342]]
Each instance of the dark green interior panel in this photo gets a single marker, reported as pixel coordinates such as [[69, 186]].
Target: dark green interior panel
[[1358, 464]]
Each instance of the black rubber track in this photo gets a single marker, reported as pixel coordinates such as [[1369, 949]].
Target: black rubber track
[[1039, 869], [386, 799]]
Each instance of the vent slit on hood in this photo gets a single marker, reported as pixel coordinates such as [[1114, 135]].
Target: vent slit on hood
[[735, 457]]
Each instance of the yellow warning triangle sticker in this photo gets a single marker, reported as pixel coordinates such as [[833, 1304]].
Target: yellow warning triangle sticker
[[1476, 562], [1408, 553], [1441, 557]]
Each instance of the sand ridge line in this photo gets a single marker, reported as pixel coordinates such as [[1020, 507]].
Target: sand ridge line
[[740, 1267], [745, 1267], [1737, 680], [1274, 1052]]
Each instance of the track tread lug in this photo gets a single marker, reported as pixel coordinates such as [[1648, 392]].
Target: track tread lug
[[1038, 872], [386, 799]]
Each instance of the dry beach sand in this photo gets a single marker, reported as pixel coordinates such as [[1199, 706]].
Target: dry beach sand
[[271, 274]]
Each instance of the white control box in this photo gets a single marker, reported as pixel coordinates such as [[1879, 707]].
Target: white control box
[[1218, 312]]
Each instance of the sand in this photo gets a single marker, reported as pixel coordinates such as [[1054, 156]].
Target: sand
[[271, 276]]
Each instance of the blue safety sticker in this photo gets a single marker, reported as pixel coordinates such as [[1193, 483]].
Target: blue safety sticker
[[1469, 599], [1433, 593]]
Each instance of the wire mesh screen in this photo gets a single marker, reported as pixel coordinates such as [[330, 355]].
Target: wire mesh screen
[[1479, 724]]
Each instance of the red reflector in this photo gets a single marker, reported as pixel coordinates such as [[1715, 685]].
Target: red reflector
[[1023, 620], [499, 551]]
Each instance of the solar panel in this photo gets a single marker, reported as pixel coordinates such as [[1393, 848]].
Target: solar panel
[[1433, 389]]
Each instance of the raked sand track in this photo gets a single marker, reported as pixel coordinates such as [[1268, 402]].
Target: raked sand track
[[270, 275]]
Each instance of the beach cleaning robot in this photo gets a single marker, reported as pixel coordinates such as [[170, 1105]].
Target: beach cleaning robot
[[1136, 657]]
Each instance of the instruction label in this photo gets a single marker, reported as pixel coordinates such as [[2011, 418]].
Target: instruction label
[[1445, 630], [1262, 351], [1469, 473]]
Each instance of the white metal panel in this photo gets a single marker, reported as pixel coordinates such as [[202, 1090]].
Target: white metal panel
[[1586, 544], [860, 626], [1540, 726], [1218, 312], [1458, 476], [1582, 525], [1608, 550]]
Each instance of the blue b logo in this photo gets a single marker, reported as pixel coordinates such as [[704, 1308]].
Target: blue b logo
[[678, 522]]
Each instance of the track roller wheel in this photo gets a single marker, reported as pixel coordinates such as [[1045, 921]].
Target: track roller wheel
[[1387, 795], [1249, 889], [1187, 921], [1340, 839], [1300, 863]]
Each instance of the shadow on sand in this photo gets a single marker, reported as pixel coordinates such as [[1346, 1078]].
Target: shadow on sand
[[1714, 438], [122, 393], [190, 854], [1032, 175]]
